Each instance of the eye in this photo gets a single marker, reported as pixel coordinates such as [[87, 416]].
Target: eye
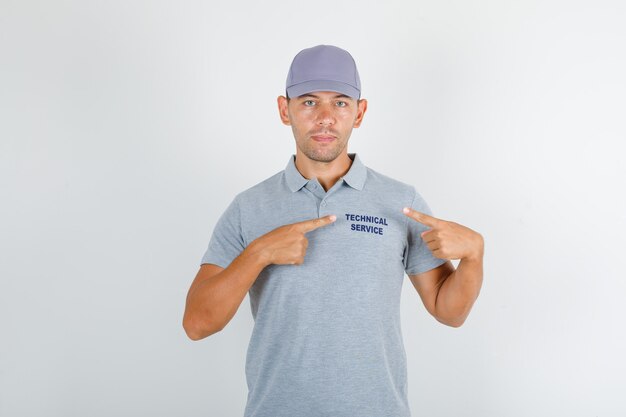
[[345, 104], [308, 101]]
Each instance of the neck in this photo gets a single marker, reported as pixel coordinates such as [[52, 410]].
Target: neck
[[327, 173]]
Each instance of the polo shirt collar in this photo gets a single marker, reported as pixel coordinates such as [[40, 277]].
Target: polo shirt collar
[[355, 177]]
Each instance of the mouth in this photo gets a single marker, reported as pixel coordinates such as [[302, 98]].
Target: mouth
[[323, 138]]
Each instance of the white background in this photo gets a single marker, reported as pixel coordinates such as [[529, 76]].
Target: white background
[[127, 127]]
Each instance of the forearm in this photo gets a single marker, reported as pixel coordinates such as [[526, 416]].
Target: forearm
[[214, 302], [459, 291]]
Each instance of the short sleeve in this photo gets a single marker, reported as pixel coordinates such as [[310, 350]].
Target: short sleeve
[[227, 241], [418, 257]]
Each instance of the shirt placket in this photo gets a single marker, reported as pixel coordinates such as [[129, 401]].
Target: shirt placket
[[324, 200]]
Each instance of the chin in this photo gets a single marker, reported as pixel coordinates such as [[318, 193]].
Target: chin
[[319, 152], [323, 156]]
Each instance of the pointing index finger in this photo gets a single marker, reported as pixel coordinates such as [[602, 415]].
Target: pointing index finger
[[421, 217], [309, 225]]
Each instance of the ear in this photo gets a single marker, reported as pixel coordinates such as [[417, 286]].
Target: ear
[[361, 109], [283, 110]]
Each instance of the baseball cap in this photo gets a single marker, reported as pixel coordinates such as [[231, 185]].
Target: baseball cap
[[323, 68]]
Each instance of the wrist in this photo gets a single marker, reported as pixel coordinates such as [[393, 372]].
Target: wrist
[[257, 253], [477, 254]]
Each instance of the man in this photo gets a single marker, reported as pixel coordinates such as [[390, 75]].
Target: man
[[322, 248]]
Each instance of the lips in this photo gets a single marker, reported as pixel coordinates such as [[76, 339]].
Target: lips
[[323, 138]]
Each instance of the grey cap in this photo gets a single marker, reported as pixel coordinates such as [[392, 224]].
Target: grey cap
[[323, 68]]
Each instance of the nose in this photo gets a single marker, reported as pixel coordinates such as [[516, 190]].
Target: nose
[[325, 115]]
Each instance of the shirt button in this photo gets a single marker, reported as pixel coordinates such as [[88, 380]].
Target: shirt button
[[314, 186], [323, 203]]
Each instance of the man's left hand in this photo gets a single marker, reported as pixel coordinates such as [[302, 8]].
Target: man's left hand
[[448, 240]]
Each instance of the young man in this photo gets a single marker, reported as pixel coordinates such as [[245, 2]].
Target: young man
[[322, 247]]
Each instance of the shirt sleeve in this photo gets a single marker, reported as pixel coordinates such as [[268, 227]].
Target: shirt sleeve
[[227, 240], [418, 257]]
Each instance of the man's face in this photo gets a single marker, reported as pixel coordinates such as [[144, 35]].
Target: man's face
[[322, 122]]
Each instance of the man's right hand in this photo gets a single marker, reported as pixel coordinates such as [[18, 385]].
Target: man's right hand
[[286, 245], [216, 293]]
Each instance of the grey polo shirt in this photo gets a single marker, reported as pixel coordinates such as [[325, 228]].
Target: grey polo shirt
[[327, 339]]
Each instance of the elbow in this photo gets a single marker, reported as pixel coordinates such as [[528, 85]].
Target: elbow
[[455, 322], [190, 330], [192, 334], [450, 323], [454, 318], [196, 332]]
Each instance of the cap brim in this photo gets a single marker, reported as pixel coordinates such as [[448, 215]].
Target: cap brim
[[323, 85]]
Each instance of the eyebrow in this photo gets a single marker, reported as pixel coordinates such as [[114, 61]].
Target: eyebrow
[[314, 96]]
